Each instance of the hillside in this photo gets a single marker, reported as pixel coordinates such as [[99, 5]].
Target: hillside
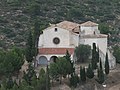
[[17, 17]]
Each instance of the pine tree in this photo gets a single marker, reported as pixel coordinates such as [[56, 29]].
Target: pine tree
[[90, 73], [68, 58], [106, 65]]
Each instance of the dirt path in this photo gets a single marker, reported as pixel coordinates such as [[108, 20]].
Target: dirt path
[[115, 87]]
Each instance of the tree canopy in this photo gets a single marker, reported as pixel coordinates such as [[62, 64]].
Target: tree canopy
[[116, 53], [11, 61], [82, 53], [60, 68]]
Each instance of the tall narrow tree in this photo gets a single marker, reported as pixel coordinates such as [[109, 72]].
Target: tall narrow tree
[[94, 57], [101, 65], [82, 74], [36, 34], [47, 79], [74, 80], [101, 76], [106, 64], [67, 56], [97, 56], [29, 48], [90, 73]]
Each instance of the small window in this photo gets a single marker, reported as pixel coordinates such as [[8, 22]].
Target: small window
[[55, 29]]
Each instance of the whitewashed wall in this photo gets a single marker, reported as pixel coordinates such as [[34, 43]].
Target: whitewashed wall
[[41, 41], [50, 34], [89, 30], [74, 39], [100, 42]]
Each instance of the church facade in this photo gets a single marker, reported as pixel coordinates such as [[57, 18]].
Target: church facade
[[67, 35]]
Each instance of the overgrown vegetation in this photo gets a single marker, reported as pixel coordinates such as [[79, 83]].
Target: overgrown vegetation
[[19, 16], [11, 61], [83, 53]]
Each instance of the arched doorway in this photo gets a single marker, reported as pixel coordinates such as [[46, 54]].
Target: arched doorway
[[53, 59], [43, 60]]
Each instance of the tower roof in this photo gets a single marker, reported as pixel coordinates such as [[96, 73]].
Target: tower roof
[[89, 23]]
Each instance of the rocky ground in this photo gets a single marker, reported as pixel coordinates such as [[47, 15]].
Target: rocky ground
[[112, 81]]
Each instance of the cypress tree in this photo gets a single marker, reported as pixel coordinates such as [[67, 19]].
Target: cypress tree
[[101, 64], [106, 64], [82, 74], [47, 79], [29, 48], [94, 57], [101, 77], [90, 73], [67, 56], [97, 56], [74, 80], [36, 34]]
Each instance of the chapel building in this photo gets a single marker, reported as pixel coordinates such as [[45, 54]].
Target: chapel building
[[66, 35]]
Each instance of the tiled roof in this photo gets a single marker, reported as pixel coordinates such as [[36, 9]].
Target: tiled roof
[[95, 36], [60, 51], [69, 25], [88, 23]]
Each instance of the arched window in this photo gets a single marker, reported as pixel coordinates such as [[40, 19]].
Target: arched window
[[53, 59], [43, 60]]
